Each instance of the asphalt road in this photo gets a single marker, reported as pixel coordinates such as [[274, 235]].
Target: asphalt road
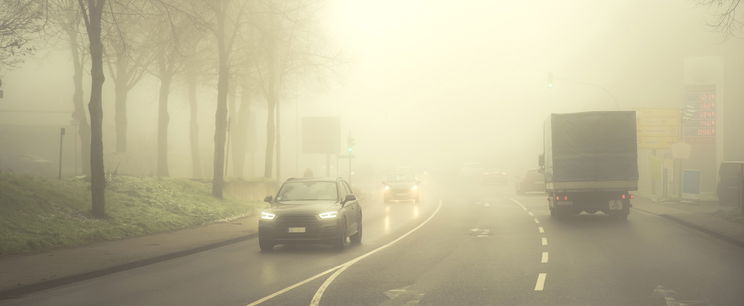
[[452, 249]]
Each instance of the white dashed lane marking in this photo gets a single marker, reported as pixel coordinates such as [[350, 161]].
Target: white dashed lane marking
[[540, 284]]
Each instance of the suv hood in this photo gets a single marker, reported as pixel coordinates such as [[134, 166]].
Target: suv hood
[[304, 207]]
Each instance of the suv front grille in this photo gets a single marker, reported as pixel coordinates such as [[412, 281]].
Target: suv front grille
[[297, 219]]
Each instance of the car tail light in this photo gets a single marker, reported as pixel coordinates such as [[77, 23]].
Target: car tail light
[[623, 196], [565, 198], [557, 198]]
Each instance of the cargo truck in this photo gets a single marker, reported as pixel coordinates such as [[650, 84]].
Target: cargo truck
[[590, 162]]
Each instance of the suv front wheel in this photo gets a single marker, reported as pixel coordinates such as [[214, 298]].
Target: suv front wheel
[[357, 238], [340, 241]]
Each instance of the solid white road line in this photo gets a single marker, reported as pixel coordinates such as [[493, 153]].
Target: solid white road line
[[520, 204], [540, 284], [544, 257], [342, 266], [544, 241], [541, 229], [530, 213], [319, 294]]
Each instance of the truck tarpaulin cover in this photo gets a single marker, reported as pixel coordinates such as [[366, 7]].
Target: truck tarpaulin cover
[[591, 146]]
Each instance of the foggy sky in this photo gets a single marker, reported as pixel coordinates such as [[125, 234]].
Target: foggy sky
[[431, 82]]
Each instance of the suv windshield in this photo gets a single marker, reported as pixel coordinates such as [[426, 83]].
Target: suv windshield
[[304, 191]]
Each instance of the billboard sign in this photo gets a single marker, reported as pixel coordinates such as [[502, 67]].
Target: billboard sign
[[699, 114], [657, 128]]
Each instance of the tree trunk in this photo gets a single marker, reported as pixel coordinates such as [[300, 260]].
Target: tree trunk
[[120, 107], [98, 179], [163, 119], [232, 117], [220, 116], [220, 131], [278, 136], [240, 133], [270, 133], [77, 100], [194, 125]]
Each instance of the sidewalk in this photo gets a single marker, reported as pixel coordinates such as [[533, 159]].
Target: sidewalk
[[21, 274], [723, 222]]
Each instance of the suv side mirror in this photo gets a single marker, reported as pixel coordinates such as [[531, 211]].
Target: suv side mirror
[[349, 198], [269, 199]]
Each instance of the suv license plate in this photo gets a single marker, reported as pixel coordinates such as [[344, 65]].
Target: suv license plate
[[296, 230], [616, 205]]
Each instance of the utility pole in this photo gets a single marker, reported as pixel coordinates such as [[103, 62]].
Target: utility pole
[[350, 142], [61, 137]]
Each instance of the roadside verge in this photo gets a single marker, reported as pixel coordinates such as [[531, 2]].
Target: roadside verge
[[24, 274], [704, 218]]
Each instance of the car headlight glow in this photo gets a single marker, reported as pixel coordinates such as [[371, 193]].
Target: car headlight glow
[[328, 215], [414, 187], [387, 187], [267, 215]]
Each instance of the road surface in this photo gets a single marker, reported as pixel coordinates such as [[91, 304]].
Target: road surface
[[492, 248]]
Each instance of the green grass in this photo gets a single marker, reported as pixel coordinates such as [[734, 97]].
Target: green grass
[[39, 214]]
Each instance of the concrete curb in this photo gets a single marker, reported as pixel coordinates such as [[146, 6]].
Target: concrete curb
[[724, 237], [48, 284]]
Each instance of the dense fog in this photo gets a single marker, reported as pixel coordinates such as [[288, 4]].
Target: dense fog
[[424, 84]]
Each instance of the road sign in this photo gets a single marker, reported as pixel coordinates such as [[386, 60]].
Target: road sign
[[658, 128]]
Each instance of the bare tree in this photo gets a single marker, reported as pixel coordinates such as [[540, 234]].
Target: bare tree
[[92, 12], [170, 61], [66, 15], [129, 54], [290, 50], [223, 19], [726, 21], [197, 55], [19, 19]]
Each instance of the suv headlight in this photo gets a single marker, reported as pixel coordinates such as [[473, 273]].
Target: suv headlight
[[328, 215], [267, 215]]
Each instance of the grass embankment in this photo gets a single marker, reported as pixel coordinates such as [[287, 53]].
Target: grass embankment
[[40, 213]]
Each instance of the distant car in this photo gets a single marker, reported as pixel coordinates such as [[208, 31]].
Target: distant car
[[495, 178], [311, 210], [731, 183], [533, 181], [401, 187]]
